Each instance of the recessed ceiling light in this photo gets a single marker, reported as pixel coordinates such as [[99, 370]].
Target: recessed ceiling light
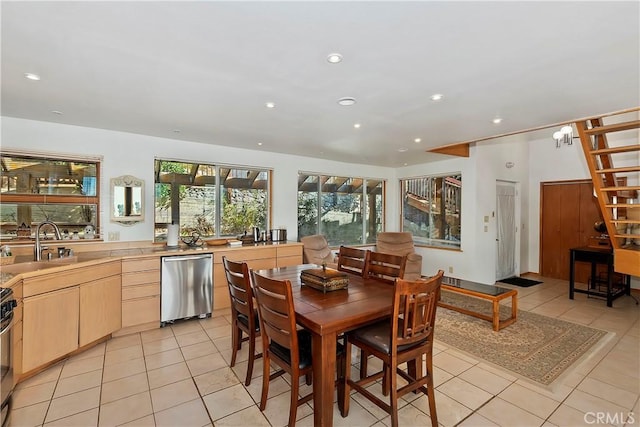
[[417, 140], [334, 58], [177, 131], [56, 112], [356, 125], [406, 164], [32, 76], [346, 101], [437, 97], [270, 105], [259, 143], [402, 150], [497, 120]]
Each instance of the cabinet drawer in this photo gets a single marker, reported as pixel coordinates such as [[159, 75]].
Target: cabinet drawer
[[140, 291], [289, 260], [141, 278], [140, 264], [142, 310], [244, 254], [289, 250]]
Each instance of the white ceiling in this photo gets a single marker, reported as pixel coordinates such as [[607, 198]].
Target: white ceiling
[[208, 68]]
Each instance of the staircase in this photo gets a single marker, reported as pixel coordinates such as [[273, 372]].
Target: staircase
[[615, 171]]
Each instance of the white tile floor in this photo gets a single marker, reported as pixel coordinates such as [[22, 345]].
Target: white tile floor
[[179, 376]]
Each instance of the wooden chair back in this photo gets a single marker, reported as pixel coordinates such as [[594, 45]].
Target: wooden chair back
[[414, 311], [383, 266], [277, 314], [352, 260], [239, 282]]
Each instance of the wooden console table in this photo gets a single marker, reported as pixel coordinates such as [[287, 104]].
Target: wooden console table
[[597, 256], [492, 293]]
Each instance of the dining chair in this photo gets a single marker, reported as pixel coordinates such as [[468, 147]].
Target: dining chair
[[352, 260], [385, 267], [284, 343], [244, 314], [405, 338]]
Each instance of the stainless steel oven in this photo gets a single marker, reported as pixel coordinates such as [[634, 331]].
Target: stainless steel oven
[[7, 303]]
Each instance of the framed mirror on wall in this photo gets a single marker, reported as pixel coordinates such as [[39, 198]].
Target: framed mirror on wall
[[127, 200]]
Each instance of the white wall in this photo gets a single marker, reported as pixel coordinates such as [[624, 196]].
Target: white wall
[[132, 154], [534, 162]]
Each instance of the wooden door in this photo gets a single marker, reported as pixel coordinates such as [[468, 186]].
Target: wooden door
[[568, 212]]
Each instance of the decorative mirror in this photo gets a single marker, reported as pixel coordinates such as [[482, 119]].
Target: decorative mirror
[[127, 200]]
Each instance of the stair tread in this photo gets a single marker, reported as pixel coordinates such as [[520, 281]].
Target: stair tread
[[615, 127], [633, 187], [620, 170], [615, 150]]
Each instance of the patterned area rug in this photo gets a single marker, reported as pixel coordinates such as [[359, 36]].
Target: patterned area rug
[[536, 347]]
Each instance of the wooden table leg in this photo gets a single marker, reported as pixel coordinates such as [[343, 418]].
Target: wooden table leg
[[514, 306], [496, 315], [324, 370]]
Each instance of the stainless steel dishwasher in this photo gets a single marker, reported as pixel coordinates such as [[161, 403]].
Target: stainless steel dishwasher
[[186, 287]]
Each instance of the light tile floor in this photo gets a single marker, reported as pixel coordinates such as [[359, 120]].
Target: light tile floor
[[180, 376]]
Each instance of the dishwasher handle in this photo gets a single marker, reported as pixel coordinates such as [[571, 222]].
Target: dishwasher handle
[[185, 257]]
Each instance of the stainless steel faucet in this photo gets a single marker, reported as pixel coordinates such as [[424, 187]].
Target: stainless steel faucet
[[38, 248]]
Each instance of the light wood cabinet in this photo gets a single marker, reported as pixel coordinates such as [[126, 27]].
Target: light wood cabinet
[[289, 255], [100, 309], [85, 308], [258, 258], [50, 327], [140, 294]]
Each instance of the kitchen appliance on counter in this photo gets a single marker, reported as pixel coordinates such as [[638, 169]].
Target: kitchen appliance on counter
[[186, 287], [7, 303], [278, 235]]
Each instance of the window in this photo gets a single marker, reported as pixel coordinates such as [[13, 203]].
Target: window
[[346, 210], [431, 207], [211, 200], [37, 188]]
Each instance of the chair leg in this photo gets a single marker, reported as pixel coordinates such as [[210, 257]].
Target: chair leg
[[236, 340], [431, 395], [386, 380], [252, 357], [344, 404], [266, 364], [364, 357], [295, 387], [340, 380], [414, 370], [390, 372]]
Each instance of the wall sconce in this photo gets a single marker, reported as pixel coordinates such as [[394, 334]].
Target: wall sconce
[[563, 136]]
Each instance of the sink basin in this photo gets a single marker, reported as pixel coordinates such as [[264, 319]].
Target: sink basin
[[27, 267]]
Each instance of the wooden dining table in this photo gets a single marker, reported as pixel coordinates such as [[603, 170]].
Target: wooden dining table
[[327, 315]]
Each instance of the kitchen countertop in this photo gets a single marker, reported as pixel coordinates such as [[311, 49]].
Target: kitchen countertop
[[25, 267]]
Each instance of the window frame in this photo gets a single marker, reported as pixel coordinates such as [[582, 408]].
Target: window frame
[[218, 189], [56, 199], [430, 242], [364, 210]]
